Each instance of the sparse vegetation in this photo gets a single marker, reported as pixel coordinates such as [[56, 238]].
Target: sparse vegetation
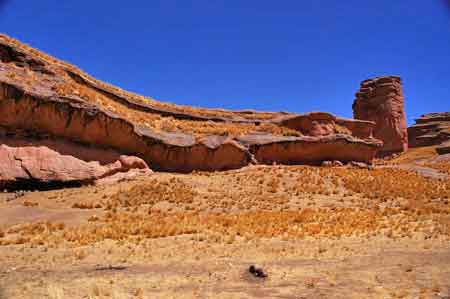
[[394, 203]]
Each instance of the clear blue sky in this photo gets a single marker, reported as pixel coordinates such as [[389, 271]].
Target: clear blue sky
[[300, 55]]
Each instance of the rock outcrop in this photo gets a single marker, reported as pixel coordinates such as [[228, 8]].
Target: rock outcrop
[[430, 129], [269, 149], [310, 124], [28, 163], [322, 124], [359, 128], [72, 119], [66, 114], [381, 100]]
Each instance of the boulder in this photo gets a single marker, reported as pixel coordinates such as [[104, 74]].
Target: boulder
[[381, 100], [40, 163]]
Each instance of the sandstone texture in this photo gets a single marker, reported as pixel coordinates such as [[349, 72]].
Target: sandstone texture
[[52, 100], [430, 129], [269, 149], [323, 124], [381, 100], [311, 124], [28, 163]]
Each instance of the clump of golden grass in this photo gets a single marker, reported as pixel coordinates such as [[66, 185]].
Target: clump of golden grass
[[152, 192], [55, 292], [27, 203], [342, 130], [87, 205]]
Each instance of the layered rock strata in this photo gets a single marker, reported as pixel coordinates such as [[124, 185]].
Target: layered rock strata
[[34, 99], [430, 129], [381, 100]]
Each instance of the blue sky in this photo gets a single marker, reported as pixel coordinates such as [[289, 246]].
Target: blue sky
[[298, 56]]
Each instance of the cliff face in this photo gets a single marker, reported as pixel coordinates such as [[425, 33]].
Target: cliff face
[[430, 129], [381, 100], [56, 103]]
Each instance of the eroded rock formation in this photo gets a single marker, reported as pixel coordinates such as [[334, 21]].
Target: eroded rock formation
[[28, 163], [269, 149], [381, 100], [323, 124], [430, 129], [57, 105]]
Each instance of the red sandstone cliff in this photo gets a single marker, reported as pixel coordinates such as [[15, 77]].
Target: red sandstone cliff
[[59, 107]]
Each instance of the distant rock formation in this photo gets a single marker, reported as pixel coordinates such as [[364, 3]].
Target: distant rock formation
[[381, 100], [430, 129]]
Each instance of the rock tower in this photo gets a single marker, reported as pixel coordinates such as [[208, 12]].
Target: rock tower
[[381, 100]]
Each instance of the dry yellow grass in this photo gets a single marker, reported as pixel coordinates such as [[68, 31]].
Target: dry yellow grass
[[415, 155], [395, 203], [168, 124], [312, 228], [336, 222]]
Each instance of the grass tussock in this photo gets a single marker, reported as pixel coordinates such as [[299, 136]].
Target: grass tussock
[[174, 191]]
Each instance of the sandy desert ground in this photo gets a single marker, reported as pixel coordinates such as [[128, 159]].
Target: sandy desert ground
[[318, 232]]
